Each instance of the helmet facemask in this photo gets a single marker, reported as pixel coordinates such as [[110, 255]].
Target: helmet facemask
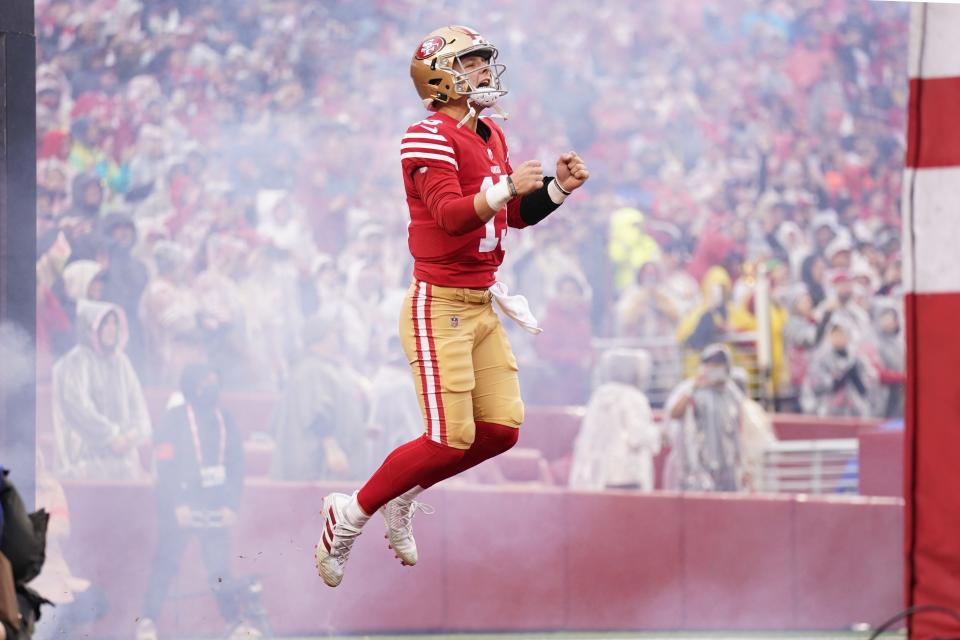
[[481, 96]]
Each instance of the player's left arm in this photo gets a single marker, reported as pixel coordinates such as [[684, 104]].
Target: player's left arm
[[572, 172]]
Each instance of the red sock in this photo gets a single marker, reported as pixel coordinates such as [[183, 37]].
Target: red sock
[[405, 468], [490, 440]]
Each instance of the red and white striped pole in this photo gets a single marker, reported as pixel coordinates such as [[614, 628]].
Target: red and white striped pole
[[931, 261]]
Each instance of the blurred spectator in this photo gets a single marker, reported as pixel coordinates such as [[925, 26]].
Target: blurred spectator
[[800, 337], [395, 416], [320, 419], [618, 437], [630, 246], [169, 312], [540, 272], [54, 327], [709, 322], [199, 459], [99, 411], [706, 414], [891, 360], [681, 288], [841, 304], [124, 279], [87, 194], [813, 274], [566, 343], [647, 308], [839, 381], [717, 248], [82, 280]]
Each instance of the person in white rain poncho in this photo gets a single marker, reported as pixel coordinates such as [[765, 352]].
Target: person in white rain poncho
[[618, 438], [756, 434], [99, 412], [707, 416]]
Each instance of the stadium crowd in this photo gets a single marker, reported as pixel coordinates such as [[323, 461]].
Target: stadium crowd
[[218, 182]]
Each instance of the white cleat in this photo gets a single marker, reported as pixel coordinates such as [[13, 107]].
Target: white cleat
[[398, 516], [333, 550]]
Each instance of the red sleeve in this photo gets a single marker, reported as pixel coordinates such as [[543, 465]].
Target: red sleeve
[[892, 377], [439, 189]]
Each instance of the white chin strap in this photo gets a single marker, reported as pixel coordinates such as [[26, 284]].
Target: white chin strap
[[472, 112]]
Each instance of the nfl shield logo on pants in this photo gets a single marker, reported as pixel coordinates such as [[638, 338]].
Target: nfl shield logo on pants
[[454, 321]]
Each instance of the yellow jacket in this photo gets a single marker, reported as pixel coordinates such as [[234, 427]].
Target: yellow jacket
[[629, 247]]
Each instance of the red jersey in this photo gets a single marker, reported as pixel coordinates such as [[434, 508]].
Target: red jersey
[[435, 151]]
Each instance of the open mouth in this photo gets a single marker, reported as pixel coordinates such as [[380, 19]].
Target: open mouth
[[483, 84]]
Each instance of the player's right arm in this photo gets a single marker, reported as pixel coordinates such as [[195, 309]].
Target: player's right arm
[[456, 213], [430, 160]]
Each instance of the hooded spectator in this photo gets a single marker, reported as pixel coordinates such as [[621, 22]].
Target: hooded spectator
[[800, 337], [842, 304], [891, 359], [706, 412], [199, 458], [99, 411], [839, 381], [87, 195], [709, 322], [630, 246], [125, 278], [319, 422], [618, 438], [82, 281]]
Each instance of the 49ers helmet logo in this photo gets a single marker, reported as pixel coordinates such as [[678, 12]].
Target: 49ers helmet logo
[[430, 46]]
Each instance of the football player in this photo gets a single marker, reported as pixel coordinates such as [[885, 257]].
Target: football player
[[463, 195]]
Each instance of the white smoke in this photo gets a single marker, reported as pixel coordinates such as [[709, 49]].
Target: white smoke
[[16, 359]]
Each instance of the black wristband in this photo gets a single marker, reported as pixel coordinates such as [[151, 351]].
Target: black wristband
[[562, 190], [536, 206]]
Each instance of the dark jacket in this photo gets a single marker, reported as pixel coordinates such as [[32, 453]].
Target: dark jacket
[[179, 479]]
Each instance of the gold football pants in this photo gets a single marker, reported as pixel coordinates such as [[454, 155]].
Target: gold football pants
[[462, 363]]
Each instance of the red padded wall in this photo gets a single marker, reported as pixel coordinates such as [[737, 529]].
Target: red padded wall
[[518, 558]]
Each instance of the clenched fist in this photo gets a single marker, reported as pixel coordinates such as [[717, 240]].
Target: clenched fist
[[571, 171], [528, 177]]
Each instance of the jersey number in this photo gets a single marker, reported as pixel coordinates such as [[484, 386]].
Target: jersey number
[[434, 128], [490, 240]]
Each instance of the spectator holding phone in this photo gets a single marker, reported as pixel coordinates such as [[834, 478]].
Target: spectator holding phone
[[706, 413]]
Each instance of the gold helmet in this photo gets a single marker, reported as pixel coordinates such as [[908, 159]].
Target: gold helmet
[[434, 75]]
